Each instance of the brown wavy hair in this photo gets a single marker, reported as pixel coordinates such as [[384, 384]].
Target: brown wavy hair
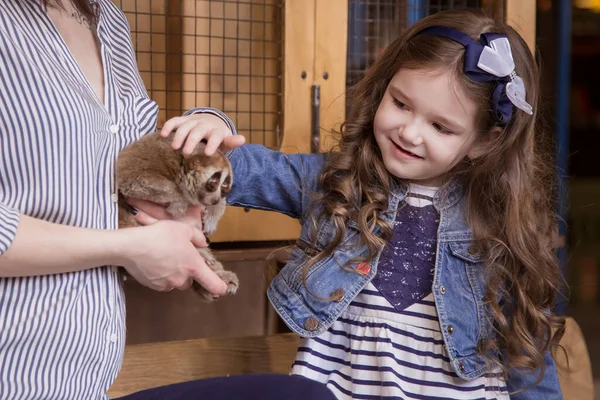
[[509, 190]]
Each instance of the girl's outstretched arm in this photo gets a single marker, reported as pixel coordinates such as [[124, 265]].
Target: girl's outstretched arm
[[271, 180]]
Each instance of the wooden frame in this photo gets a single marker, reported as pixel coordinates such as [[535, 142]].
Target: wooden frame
[[521, 15]]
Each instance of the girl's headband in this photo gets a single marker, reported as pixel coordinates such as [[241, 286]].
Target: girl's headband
[[490, 60]]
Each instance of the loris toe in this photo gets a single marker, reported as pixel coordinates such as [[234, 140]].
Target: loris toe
[[209, 258], [204, 294], [231, 279]]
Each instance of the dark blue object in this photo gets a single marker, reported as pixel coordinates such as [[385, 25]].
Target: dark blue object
[[502, 107], [563, 13], [240, 387], [417, 9]]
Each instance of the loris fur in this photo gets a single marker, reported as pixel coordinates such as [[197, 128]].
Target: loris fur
[[150, 169]]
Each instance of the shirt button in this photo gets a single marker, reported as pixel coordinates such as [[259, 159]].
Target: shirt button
[[442, 289], [450, 329], [311, 324], [114, 197], [114, 128], [113, 338]]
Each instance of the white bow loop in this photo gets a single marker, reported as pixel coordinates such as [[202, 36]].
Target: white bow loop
[[497, 59], [515, 91]]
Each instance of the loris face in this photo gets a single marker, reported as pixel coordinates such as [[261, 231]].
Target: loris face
[[206, 180]]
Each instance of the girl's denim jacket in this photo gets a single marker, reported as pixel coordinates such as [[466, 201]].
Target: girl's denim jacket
[[269, 180]]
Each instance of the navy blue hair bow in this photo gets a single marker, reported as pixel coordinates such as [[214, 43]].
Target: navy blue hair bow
[[490, 60]]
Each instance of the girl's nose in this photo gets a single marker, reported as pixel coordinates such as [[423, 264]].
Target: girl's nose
[[410, 133]]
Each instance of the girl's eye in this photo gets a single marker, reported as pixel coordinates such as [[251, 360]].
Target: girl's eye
[[400, 104], [441, 128]]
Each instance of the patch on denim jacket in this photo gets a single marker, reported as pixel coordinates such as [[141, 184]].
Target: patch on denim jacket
[[406, 267]]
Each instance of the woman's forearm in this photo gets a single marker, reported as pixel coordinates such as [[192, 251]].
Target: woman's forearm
[[42, 248]]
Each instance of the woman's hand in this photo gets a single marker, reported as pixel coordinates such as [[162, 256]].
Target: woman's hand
[[149, 213], [163, 256], [192, 129], [186, 266]]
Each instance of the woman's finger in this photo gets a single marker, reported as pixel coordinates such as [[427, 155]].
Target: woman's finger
[[186, 285], [208, 279], [152, 209], [195, 211], [144, 219], [198, 238]]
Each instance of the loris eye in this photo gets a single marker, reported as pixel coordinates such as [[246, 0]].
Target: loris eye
[[226, 185], [213, 183]]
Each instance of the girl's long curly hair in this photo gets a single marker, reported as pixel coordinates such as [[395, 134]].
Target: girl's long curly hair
[[509, 191]]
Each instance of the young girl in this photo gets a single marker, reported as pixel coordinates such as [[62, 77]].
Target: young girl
[[424, 269]]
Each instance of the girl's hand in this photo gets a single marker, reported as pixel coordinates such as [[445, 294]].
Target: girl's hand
[[194, 128]]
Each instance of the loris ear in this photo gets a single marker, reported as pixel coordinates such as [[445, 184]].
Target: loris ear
[[483, 143]]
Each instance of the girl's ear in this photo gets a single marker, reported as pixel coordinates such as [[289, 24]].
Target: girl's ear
[[483, 143]]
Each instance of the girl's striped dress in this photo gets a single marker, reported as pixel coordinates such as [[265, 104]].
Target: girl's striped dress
[[388, 343]]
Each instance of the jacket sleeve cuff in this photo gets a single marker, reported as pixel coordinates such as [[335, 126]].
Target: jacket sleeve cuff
[[9, 222], [213, 111]]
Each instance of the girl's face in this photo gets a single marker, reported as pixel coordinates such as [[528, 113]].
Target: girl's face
[[425, 125]]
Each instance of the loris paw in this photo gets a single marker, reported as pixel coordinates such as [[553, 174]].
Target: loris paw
[[209, 257], [203, 294], [229, 277]]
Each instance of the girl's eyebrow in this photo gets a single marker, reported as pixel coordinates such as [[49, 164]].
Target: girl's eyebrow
[[448, 122]]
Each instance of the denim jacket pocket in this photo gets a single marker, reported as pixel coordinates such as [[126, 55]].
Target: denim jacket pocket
[[309, 300], [306, 248], [466, 251]]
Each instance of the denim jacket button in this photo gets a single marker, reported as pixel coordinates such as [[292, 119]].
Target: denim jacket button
[[442, 289], [311, 324], [363, 268], [337, 295], [450, 329], [462, 367], [473, 250]]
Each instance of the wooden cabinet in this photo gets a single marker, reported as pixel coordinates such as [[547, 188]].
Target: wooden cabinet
[[180, 315]]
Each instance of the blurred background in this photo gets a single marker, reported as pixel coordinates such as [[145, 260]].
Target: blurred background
[[280, 70]]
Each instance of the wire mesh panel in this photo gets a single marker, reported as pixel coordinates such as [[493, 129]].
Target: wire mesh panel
[[225, 54], [374, 24]]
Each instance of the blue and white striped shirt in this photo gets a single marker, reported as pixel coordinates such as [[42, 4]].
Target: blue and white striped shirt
[[62, 336]]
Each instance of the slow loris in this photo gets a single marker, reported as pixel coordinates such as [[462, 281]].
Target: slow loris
[[150, 169]]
